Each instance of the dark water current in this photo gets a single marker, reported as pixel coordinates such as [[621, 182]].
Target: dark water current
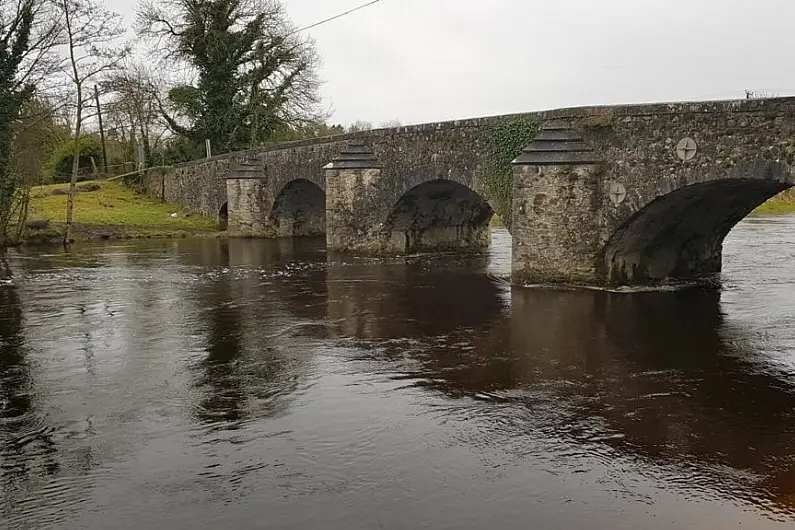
[[251, 384]]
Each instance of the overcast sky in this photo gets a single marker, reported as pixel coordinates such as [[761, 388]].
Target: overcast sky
[[429, 60]]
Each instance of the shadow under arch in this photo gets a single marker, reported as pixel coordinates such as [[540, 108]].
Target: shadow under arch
[[222, 223], [679, 236], [299, 210], [438, 215]]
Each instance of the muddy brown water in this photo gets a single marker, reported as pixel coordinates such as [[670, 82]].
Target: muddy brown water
[[255, 384]]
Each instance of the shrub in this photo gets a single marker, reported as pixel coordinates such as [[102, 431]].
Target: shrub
[[60, 165]]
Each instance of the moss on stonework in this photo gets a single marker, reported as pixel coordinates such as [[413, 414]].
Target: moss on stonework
[[506, 139], [604, 120]]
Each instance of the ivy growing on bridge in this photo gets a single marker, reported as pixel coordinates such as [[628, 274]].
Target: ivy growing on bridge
[[506, 140]]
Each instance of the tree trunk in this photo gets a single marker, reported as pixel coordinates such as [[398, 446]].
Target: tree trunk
[[7, 180], [70, 201], [133, 150], [145, 144], [23, 215], [101, 133]]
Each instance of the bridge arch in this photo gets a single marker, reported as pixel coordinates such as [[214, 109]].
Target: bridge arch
[[299, 210], [222, 221], [679, 235], [437, 215]]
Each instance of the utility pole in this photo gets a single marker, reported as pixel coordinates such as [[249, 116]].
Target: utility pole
[[101, 133]]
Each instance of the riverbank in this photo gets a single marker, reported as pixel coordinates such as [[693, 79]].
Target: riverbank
[[782, 203], [108, 210]]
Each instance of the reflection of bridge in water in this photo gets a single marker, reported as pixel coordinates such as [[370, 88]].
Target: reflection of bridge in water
[[655, 375], [660, 377]]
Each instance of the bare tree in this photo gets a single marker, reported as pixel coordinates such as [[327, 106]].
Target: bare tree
[[359, 126], [93, 37], [390, 124], [134, 107], [42, 60]]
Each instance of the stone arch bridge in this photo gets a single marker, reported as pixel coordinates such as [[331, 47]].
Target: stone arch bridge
[[602, 195]]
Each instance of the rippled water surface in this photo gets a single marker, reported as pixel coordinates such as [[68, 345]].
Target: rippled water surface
[[253, 384]]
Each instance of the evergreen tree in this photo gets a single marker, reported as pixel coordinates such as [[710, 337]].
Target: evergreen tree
[[16, 25], [253, 75]]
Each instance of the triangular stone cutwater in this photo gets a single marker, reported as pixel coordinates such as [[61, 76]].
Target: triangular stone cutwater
[[356, 155], [250, 168], [557, 144]]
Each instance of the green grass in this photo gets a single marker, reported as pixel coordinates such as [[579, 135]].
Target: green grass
[[782, 203], [113, 205]]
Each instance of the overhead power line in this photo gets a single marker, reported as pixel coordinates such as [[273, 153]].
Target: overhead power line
[[335, 17]]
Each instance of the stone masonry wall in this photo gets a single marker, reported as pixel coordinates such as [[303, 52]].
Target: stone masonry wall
[[199, 187], [744, 151], [557, 224], [352, 217], [246, 200], [737, 140]]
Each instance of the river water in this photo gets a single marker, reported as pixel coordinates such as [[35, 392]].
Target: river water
[[254, 384]]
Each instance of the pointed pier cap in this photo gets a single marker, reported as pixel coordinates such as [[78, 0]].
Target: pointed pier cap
[[356, 155], [557, 144], [249, 168]]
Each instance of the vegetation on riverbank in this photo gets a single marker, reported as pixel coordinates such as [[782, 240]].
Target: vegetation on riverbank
[[496, 221], [108, 210], [78, 102], [781, 203]]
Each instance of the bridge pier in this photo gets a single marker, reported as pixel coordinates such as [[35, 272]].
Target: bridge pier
[[247, 191], [353, 180], [557, 193], [274, 206]]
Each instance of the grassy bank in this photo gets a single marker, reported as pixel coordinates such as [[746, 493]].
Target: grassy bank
[[781, 203], [108, 210], [496, 221]]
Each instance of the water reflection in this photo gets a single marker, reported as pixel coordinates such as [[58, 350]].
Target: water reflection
[[409, 297], [14, 369], [284, 382], [250, 370], [224, 397], [659, 376], [670, 378], [26, 444], [247, 253]]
